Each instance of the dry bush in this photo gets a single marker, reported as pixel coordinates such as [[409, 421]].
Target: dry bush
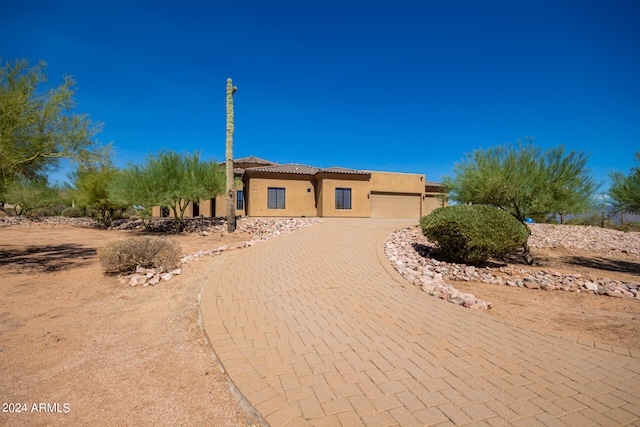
[[124, 256]]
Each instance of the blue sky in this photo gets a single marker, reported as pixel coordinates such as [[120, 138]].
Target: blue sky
[[384, 85]]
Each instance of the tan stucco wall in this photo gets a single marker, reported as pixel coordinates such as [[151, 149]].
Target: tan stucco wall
[[393, 182], [320, 200], [360, 206], [221, 207], [430, 204], [298, 201], [206, 209]]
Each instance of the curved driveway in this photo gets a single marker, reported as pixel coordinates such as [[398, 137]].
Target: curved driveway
[[315, 328]]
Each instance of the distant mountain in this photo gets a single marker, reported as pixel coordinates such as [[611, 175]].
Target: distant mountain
[[614, 218]]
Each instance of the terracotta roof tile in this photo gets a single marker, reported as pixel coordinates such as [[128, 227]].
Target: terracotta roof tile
[[252, 160], [291, 168], [337, 169]]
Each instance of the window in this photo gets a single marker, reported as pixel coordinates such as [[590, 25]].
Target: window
[[343, 198], [240, 200], [276, 198], [164, 211]]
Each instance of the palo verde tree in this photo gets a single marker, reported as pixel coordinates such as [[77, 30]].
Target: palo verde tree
[[135, 186], [624, 193], [524, 180], [91, 192], [38, 127], [26, 196], [171, 180]]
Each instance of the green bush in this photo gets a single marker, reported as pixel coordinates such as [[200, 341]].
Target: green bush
[[123, 256], [73, 212], [44, 211], [472, 234], [595, 219]]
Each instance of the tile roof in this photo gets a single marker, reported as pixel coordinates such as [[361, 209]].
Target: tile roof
[[252, 160], [297, 169], [291, 168], [432, 184], [336, 169]]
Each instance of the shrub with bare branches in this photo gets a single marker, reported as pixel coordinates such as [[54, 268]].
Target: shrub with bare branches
[[123, 256]]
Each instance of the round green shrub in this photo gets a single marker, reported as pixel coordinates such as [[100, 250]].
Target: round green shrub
[[472, 234], [73, 212]]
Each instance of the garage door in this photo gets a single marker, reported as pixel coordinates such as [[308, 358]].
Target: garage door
[[391, 205]]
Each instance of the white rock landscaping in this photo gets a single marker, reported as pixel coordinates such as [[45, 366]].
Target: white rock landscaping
[[408, 251]]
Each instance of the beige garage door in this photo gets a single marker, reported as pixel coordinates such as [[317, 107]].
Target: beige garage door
[[391, 205]]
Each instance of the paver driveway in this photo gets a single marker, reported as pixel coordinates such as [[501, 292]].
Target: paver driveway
[[314, 328]]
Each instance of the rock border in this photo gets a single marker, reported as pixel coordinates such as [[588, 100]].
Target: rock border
[[408, 252]]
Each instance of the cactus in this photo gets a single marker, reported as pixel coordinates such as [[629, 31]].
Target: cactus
[[231, 191]]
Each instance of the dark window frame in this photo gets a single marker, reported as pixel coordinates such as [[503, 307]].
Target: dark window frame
[[276, 198], [343, 198], [240, 200]]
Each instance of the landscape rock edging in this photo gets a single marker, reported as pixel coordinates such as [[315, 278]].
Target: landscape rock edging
[[408, 252]]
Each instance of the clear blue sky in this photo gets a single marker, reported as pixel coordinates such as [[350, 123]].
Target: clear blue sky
[[385, 85]]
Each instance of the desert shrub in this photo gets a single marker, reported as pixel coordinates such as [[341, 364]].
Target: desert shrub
[[73, 212], [124, 256], [626, 227], [594, 219], [472, 234], [44, 211]]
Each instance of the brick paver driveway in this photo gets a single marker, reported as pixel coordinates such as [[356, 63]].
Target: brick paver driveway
[[314, 328]]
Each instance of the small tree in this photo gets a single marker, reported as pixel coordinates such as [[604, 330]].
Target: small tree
[[170, 180], [29, 196], [134, 186], [567, 201], [624, 193], [523, 180], [38, 127], [91, 187]]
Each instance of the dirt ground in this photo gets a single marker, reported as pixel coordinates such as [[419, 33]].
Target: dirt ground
[[114, 355], [609, 320], [100, 353]]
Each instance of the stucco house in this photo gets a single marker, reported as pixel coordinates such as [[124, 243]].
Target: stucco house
[[268, 189]]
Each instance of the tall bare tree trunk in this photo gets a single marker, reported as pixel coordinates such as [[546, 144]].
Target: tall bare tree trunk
[[231, 189]]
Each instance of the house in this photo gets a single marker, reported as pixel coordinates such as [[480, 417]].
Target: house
[[268, 189]]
